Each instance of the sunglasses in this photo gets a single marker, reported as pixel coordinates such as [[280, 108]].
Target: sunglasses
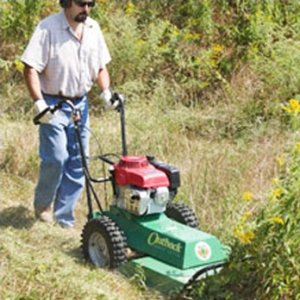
[[83, 4]]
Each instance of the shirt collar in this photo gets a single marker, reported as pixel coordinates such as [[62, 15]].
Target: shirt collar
[[65, 24]]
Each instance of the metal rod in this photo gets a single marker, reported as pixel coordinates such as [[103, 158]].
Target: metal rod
[[89, 187], [123, 130]]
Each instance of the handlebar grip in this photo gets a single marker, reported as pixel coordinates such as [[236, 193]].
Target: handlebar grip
[[36, 119], [118, 101], [53, 109]]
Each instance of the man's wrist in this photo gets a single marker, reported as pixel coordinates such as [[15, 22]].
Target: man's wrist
[[40, 105], [106, 92], [106, 95]]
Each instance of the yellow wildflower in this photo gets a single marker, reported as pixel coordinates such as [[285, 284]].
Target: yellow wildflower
[[245, 237], [292, 107], [297, 147], [188, 36], [217, 48], [191, 36], [246, 215], [277, 220], [130, 8], [247, 196], [253, 50], [19, 65], [280, 160], [275, 181], [175, 32], [277, 193]]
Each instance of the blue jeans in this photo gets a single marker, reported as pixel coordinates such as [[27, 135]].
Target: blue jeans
[[61, 177]]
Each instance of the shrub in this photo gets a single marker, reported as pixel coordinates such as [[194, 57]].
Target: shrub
[[265, 260]]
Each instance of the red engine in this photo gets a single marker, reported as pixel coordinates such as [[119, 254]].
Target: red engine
[[144, 185], [137, 171]]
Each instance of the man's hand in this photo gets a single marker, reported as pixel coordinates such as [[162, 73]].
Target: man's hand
[[111, 100], [106, 97], [40, 106]]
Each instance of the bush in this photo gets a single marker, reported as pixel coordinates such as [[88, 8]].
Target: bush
[[265, 260], [18, 19]]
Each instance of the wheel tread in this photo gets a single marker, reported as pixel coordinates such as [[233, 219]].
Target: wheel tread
[[112, 234], [182, 213]]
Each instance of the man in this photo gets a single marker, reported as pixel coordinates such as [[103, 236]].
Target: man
[[65, 56]]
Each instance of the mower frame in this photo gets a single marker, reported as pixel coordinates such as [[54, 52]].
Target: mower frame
[[157, 241]]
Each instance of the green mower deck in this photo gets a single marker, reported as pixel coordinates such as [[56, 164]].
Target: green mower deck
[[161, 276], [172, 252]]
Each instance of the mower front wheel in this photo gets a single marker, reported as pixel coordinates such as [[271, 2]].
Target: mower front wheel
[[182, 213], [103, 243]]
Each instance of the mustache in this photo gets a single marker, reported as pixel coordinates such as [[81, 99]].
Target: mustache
[[81, 17], [83, 14]]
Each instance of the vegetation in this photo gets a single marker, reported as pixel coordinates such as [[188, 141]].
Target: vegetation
[[212, 87]]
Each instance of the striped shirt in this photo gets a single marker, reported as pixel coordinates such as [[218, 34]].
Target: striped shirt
[[66, 65]]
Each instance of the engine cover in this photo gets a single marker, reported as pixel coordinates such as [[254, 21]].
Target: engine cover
[[137, 171]]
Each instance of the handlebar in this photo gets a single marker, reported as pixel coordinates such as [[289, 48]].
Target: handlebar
[[117, 103], [52, 110]]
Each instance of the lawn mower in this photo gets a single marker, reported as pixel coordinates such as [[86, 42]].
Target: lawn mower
[[144, 229]]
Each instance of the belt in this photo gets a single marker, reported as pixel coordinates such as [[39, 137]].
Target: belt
[[62, 97]]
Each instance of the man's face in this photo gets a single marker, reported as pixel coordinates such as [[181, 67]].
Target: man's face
[[80, 9]]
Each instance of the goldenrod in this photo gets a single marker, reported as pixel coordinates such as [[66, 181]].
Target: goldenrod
[[277, 220], [245, 237], [280, 160], [247, 196], [277, 193]]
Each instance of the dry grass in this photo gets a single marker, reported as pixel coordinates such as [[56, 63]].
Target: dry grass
[[44, 262], [41, 261]]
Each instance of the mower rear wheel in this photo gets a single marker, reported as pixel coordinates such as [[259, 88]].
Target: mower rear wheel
[[103, 243], [182, 213]]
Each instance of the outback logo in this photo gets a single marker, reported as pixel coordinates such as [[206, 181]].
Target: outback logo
[[155, 239], [203, 251]]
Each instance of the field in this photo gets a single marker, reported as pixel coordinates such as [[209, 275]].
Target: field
[[219, 102]]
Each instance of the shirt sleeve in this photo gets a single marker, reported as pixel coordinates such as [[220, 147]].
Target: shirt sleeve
[[36, 54]]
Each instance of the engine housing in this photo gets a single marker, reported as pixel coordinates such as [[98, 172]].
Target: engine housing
[[141, 187], [140, 201]]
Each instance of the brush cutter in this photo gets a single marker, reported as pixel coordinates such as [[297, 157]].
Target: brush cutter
[[145, 229]]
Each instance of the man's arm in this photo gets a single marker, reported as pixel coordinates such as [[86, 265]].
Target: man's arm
[[103, 79], [33, 83], [103, 82], [34, 87]]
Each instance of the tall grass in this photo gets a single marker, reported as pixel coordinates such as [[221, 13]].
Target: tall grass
[[214, 175]]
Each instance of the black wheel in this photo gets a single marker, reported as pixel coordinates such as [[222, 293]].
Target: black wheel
[[103, 243], [182, 213]]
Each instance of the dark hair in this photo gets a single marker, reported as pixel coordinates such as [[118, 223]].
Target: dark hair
[[65, 3]]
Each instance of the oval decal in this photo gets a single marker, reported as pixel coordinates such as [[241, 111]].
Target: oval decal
[[203, 251]]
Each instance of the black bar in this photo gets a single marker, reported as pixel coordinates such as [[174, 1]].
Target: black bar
[[123, 130], [100, 180]]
